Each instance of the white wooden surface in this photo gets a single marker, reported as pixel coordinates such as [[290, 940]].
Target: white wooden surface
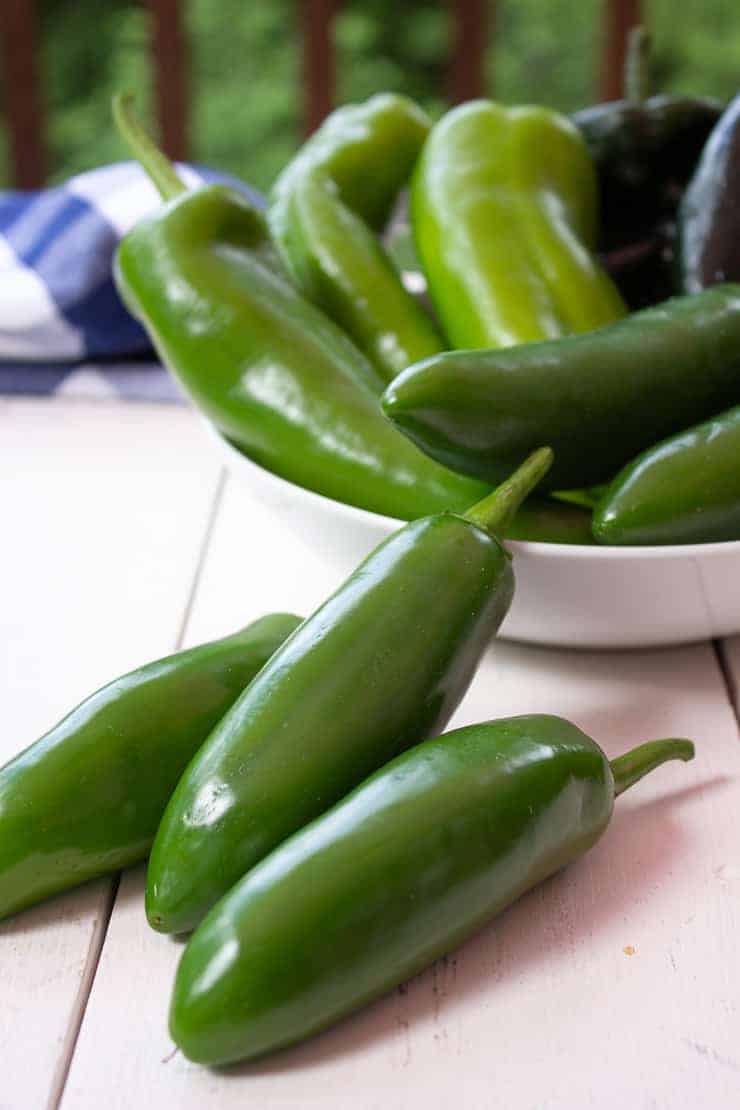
[[616, 984]]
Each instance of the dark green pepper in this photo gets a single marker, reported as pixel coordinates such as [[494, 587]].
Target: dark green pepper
[[86, 799], [380, 665], [597, 399], [709, 216], [645, 150], [272, 372], [400, 872], [325, 210], [685, 490]]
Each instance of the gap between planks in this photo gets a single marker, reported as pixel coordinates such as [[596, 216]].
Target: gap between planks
[[100, 932]]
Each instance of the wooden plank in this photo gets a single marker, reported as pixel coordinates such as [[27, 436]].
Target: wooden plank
[[169, 59], [620, 16], [615, 984], [319, 61], [22, 93], [469, 34], [103, 511]]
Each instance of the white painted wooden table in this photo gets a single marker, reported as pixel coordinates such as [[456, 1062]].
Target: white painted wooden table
[[615, 985]]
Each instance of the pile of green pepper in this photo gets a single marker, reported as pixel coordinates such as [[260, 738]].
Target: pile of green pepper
[[300, 811]]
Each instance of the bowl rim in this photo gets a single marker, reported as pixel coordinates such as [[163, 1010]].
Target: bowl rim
[[534, 547]]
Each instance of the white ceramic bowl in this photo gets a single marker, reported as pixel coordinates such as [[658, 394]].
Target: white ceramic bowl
[[567, 595]]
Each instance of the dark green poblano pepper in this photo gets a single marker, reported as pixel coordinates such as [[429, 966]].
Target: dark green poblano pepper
[[400, 872], [86, 799], [379, 666]]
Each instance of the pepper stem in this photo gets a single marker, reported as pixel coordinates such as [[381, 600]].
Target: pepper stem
[[637, 65], [495, 511], [629, 768], [156, 164]]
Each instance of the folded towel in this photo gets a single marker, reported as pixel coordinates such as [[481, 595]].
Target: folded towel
[[63, 328]]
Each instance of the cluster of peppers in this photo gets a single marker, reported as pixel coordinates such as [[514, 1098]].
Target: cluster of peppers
[[300, 811]]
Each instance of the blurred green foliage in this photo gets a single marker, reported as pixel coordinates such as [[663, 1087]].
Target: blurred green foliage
[[246, 81]]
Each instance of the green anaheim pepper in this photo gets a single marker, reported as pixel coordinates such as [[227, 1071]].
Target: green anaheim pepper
[[597, 399], [402, 870], [274, 374], [325, 210], [684, 490], [379, 666], [86, 799], [504, 216]]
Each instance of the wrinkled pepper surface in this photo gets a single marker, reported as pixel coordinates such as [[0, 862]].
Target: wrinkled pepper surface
[[400, 872], [504, 217], [684, 490], [273, 373], [326, 209], [709, 216], [86, 799], [597, 399], [379, 666]]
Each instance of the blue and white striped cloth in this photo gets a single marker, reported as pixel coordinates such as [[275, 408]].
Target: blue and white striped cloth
[[63, 328]]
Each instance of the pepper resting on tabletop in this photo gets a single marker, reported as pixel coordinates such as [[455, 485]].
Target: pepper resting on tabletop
[[85, 800], [326, 209], [504, 217], [400, 872], [380, 665], [598, 399], [274, 374]]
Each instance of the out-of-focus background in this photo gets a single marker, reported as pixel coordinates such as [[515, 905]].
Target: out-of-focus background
[[236, 84]]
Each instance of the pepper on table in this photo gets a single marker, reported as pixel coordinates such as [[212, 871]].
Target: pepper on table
[[597, 399], [684, 490], [380, 665], [397, 874], [326, 209], [504, 212], [86, 799], [270, 370]]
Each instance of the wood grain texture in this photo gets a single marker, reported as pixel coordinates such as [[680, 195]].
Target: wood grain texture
[[103, 511], [615, 984]]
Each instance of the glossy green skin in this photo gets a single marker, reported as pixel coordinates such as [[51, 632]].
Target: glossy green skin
[[644, 154], [381, 665], [400, 872], [271, 371], [86, 798], [685, 490], [325, 209], [709, 216], [596, 400], [504, 216]]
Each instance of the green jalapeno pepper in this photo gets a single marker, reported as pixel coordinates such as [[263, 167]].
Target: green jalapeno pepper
[[684, 490], [402, 870], [504, 216], [709, 216], [86, 799], [272, 372], [325, 210], [645, 149], [598, 399], [380, 665]]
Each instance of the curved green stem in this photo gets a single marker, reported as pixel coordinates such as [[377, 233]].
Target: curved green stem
[[629, 768], [494, 512], [637, 66], [156, 164]]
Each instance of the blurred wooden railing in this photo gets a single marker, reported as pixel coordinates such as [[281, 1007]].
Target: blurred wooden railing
[[472, 26]]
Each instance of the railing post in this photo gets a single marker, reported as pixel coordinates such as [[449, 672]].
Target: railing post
[[22, 93], [619, 18], [169, 60], [319, 61], [470, 24]]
